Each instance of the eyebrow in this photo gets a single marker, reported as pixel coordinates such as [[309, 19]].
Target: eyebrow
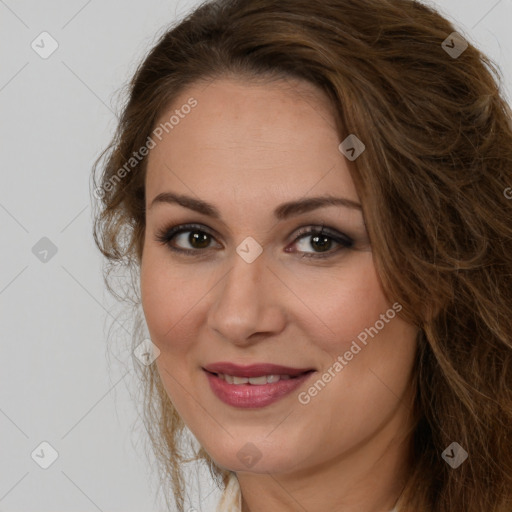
[[282, 212]]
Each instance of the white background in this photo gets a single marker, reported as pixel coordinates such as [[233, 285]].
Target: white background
[[58, 384]]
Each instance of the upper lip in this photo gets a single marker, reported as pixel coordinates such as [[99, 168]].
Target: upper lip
[[254, 370]]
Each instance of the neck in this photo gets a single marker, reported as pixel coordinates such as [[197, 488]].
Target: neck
[[368, 478]]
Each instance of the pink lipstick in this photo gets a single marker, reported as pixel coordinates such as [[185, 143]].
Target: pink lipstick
[[256, 385]]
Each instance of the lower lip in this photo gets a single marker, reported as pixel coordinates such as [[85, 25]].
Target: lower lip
[[253, 396]]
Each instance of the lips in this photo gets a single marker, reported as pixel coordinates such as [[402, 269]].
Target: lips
[[254, 396], [254, 370]]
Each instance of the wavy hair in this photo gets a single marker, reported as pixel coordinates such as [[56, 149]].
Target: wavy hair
[[433, 183]]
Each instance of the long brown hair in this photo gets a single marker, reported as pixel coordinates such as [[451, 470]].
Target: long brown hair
[[433, 182]]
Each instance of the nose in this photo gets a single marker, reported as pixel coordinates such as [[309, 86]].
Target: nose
[[246, 304]]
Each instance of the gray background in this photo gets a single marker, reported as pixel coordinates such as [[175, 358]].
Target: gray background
[[58, 383]]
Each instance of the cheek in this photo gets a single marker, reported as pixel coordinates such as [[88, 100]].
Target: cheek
[[342, 303], [156, 296], [368, 352], [170, 304], [166, 297], [175, 300]]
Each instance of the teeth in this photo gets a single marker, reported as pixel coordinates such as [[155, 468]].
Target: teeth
[[257, 381]]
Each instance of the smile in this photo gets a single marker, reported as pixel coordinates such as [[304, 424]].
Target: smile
[[254, 392]]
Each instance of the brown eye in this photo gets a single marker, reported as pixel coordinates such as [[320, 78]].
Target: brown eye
[[198, 239], [185, 238], [313, 242], [321, 241]]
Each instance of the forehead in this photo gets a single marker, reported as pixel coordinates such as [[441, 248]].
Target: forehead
[[267, 142]]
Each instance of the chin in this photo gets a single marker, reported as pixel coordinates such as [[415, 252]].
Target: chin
[[253, 456]]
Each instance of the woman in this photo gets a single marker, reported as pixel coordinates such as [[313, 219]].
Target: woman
[[313, 194]]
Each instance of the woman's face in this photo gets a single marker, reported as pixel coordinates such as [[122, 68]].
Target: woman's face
[[259, 285]]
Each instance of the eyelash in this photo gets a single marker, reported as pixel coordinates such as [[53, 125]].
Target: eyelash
[[166, 235]]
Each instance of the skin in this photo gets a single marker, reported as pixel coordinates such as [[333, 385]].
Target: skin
[[247, 148]]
